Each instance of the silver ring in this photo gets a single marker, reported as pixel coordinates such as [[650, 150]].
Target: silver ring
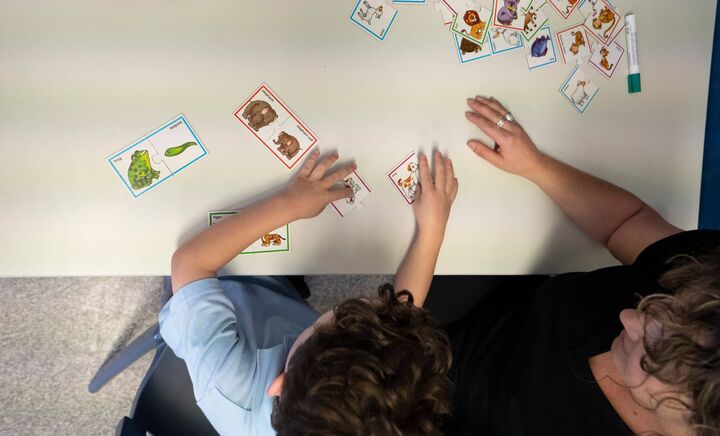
[[501, 122], [509, 117]]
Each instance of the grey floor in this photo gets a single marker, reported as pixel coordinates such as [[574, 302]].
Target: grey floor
[[56, 332]]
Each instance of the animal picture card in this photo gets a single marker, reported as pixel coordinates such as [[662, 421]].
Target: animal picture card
[[157, 156], [374, 16], [405, 177], [360, 191], [564, 7], [606, 58], [273, 124], [469, 51], [602, 21], [579, 89], [472, 24], [573, 43], [506, 13], [455, 6], [535, 19], [502, 39], [542, 49], [587, 6], [275, 241]]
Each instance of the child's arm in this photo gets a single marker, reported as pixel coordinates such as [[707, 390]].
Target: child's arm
[[432, 210], [306, 196]]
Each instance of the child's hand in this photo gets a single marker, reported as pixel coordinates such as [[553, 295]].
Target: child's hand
[[434, 198], [311, 190]]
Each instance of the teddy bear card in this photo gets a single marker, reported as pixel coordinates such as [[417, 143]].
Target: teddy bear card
[[273, 124]]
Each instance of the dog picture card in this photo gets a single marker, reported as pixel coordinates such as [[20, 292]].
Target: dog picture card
[[502, 39], [564, 7], [405, 177], [275, 241], [535, 19], [602, 22], [355, 201], [606, 58], [472, 23], [541, 49], [276, 126], [507, 13], [579, 90], [469, 51], [573, 43], [374, 16]]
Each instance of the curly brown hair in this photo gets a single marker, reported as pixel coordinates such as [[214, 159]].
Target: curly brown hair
[[687, 354], [377, 369]]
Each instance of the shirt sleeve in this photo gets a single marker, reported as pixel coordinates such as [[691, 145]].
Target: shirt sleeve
[[199, 324], [654, 258]]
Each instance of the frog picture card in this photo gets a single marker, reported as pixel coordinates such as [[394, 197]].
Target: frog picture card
[[157, 156], [277, 240]]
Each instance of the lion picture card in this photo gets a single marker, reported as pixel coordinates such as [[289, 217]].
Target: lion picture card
[[270, 120], [275, 241], [374, 17], [579, 90], [606, 58], [603, 21], [573, 43], [508, 14], [405, 177], [472, 23], [360, 192]]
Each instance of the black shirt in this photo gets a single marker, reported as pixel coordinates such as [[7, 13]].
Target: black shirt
[[520, 359]]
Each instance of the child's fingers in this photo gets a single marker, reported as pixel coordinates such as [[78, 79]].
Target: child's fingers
[[449, 175], [340, 174], [309, 163], [425, 178], [338, 194], [439, 168], [454, 189], [324, 164]]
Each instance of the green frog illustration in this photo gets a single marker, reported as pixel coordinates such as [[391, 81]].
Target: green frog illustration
[[141, 173]]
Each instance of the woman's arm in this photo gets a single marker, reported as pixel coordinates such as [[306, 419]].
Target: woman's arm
[[306, 196], [610, 215], [432, 210]]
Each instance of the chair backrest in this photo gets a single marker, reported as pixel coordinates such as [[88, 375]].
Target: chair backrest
[[165, 403]]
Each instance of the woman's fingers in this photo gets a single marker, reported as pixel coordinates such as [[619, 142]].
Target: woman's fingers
[[492, 110], [319, 171], [489, 128]]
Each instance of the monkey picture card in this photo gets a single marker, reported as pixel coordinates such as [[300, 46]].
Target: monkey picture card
[[606, 58], [541, 49], [535, 19], [564, 7], [472, 23], [360, 191], [502, 40], [266, 116], [275, 241], [579, 90], [602, 21], [507, 13], [469, 51], [405, 177], [573, 43], [374, 16]]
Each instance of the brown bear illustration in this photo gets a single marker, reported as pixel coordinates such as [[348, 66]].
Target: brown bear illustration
[[289, 145], [468, 46], [259, 114]]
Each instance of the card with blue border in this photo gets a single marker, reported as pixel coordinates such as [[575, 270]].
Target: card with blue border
[[374, 17], [157, 156], [503, 39], [579, 90], [542, 49], [469, 51]]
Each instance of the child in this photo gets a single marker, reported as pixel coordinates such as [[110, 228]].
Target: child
[[368, 367]]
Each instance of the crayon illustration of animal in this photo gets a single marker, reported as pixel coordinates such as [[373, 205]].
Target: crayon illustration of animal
[[140, 172], [511, 37], [579, 96], [409, 184], [539, 46], [604, 62], [530, 19], [467, 46], [579, 42], [606, 16], [259, 114], [370, 12], [350, 184], [271, 238], [570, 5], [508, 13], [289, 145], [477, 26]]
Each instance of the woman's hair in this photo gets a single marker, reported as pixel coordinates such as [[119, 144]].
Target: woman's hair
[[380, 368], [687, 353]]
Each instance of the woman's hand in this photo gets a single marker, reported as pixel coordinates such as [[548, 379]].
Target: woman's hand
[[513, 151], [435, 197], [311, 190]]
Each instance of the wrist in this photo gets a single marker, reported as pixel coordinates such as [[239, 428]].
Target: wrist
[[430, 237], [536, 165], [283, 204]]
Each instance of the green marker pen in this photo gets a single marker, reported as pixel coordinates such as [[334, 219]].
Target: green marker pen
[[633, 65]]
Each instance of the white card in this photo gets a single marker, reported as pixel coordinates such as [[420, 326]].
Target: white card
[[472, 23], [535, 19], [603, 21], [606, 58], [573, 43], [542, 49], [579, 90], [469, 51], [275, 241], [405, 177], [502, 39], [360, 191], [374, 16], [564, 7], [507, 13], [447, 13]]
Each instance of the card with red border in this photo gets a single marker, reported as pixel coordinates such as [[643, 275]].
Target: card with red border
[[574, 43], [405, 177], [360, 191], [605, 58], [508, 14], [564, 7], [276, 126], [602, 21]]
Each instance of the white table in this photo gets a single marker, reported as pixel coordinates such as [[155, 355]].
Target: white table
[[79, 80]]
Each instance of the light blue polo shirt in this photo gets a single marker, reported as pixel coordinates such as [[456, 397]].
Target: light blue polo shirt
[[234, 338]]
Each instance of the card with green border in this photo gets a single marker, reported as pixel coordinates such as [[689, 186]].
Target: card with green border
[[276, 241], [472, 23]]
